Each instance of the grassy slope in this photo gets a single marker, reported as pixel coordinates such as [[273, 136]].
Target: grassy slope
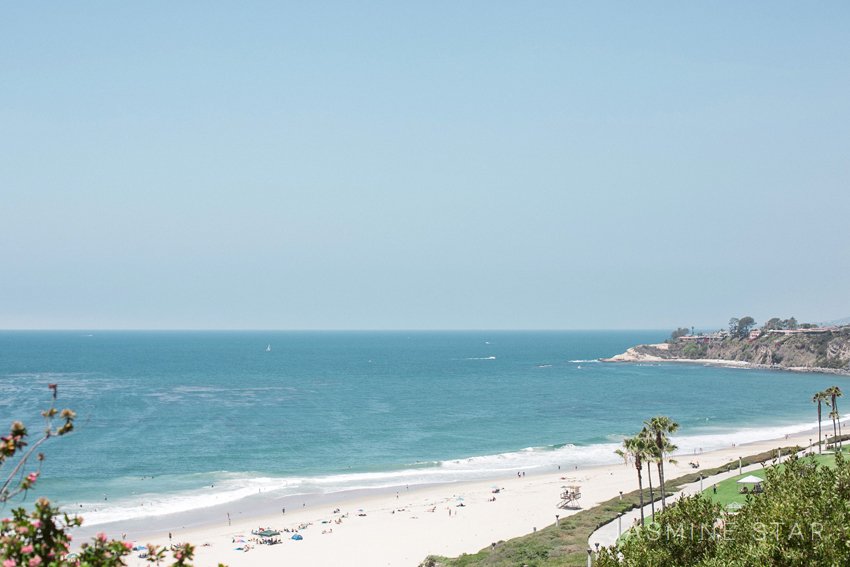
[[566, 545], [728, 490]]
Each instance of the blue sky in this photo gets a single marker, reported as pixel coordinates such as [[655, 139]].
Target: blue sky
[[433, 165]]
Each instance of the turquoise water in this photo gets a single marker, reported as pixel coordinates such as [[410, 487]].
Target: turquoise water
[[170, 421]]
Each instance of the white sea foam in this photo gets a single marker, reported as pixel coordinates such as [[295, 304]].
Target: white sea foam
[[722, 439], [231, 487], [584, 361]]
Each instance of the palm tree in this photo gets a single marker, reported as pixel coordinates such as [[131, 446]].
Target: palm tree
[[653, 455], [632, 450], [819, 398], [834, 392], [651, 490], [659, 427], [647, 447]]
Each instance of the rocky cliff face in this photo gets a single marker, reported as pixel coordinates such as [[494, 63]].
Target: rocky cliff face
[[830, 350]]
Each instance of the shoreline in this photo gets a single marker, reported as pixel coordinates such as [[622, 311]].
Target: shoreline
[[403, 526], [269, 500], [633, 356]]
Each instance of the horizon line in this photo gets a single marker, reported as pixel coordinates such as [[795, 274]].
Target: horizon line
[[325, 330]]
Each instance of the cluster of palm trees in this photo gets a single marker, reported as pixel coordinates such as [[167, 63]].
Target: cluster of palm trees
[[651, 445], [830, 398]]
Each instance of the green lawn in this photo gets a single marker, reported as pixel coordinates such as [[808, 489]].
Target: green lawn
[[728, 491]]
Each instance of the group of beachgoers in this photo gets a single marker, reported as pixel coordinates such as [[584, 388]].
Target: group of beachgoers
[[272, 536]]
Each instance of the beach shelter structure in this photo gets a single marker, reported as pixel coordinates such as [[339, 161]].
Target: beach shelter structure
[[750, 481]]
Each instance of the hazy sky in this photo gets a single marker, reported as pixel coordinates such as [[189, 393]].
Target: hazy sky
[[431, 165]]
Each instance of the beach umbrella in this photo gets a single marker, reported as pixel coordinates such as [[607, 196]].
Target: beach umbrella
[[297, 537]]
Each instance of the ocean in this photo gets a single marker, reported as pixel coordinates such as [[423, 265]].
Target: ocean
[[176, 421]]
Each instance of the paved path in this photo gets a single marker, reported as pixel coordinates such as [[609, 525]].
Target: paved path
[[608, 534]]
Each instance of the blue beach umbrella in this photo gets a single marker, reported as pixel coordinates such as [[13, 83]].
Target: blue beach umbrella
[[297, 537]]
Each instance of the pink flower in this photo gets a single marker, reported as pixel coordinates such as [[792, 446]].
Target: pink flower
[[27, 549], [32, 476], [35, 561], [9, 563], [128, 545], [101, 537], [36, 523]]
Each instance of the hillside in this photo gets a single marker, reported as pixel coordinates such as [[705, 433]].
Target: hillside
[[811, 350]]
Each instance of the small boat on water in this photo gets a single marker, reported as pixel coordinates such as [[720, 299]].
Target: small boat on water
[[269, 348]]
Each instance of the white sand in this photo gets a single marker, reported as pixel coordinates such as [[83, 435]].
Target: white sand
[[401, 531]]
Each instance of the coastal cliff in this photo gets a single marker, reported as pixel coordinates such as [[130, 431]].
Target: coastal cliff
[[816, 350]]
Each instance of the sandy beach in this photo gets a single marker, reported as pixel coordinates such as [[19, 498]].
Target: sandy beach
[[401, 527]]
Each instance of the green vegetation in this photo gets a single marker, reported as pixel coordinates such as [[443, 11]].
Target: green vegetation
[[821, 349], [819, 398], [565, 545], [658, 429], [777, 323], [694, 350], [680, 332], [799, 519], [636, 449], [834, 392], [740, 328], [729, 492]]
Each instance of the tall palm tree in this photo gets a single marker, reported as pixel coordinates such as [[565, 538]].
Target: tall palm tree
[[653, 455], [834, 392], [647, 448], [660, 426], [632, 451], [819, 398]]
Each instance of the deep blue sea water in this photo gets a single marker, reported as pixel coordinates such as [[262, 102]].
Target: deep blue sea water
[[170, 421]]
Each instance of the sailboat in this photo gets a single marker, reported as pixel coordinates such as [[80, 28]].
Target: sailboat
[[269, 348]]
